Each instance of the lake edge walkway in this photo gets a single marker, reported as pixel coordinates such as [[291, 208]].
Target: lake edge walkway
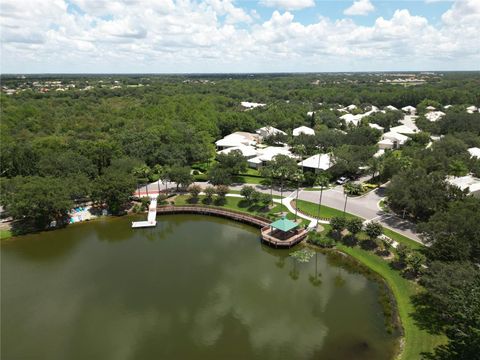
[[258, 221]]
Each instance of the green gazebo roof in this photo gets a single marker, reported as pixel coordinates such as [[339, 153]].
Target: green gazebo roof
[[284, 224]]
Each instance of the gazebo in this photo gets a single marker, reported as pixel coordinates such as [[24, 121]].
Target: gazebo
[[283, 232]]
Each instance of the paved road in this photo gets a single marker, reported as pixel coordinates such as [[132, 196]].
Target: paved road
[[363, 206]]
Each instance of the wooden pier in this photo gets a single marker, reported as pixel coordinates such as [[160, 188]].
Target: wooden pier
[[258, 221]]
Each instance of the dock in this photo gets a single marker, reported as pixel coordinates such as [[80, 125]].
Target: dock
[[152, 215]]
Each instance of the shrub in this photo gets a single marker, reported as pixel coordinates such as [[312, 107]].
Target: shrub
[[247, 192], [209, 192], [196, 172], [338, 223], [373, 230], [222, 190], [354, 225], [324, 242], [194, 190]]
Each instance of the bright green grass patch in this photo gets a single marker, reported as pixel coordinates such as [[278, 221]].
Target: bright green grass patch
[[416, 340], [402, 239], [5, 234], [326, 212], [248, 179]]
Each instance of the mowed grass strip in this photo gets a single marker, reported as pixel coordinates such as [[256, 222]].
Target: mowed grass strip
[[326, 212]]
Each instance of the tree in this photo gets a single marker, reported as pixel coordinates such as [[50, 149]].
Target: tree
[[255, 196], [322, 180], [354, 226], [247, 192], [113, 189], [282, 168], [402, 253], [452, 304], [219, 175], [234, 162], [267, 173], [194, 191], [415, 260], [264, 199], [37, 201], [209, 192], [181, 176], [373, 230], [420, 194], [338, 223], [221, 191], [453, 233]]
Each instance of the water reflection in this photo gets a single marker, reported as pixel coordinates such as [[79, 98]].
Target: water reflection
[[207, 290]]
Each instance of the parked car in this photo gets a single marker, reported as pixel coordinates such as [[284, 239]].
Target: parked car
[[342, 180]]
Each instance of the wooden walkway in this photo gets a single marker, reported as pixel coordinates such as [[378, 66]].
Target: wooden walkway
[[298, 237], [258, 221]]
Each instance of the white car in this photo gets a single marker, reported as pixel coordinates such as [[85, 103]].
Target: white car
[[342, 180]]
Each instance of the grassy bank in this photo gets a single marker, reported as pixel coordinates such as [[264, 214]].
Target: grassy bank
[[235, 203], [5, 234], [416, 340]]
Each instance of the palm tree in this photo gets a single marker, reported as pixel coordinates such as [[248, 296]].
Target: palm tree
[[298, 177], [375, 166], [158, 171], [142, 173], [322, 181]]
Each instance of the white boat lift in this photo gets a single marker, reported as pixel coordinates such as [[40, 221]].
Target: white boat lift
[[152, 215]]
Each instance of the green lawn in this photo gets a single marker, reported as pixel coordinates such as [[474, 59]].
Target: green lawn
[[326, 212], [402, 239], [238, 204], [5, 234], [248, 179], [416, 340]]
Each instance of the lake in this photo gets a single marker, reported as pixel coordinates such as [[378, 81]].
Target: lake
[[194, 287]]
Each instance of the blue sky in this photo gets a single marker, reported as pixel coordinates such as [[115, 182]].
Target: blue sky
[[165, 36]]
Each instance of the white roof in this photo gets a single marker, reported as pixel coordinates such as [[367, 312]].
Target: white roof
[[390, 107], [376, 126], [395, 137], [349, 118], [447, 106], [236, 139], [471, 109], [470, 183], [251, 105], [409, 109], [269, 131], [310, 113], [430, 108], [319, 161], [268, 153], [474, 152], [403, 129], [434, 115], [246, 150], [303, 130]]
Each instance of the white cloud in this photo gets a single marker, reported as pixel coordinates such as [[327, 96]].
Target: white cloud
[[288, 4], [359, 7], [215, 35]]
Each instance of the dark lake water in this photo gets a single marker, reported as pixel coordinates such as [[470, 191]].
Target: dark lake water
[[195, 287]]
